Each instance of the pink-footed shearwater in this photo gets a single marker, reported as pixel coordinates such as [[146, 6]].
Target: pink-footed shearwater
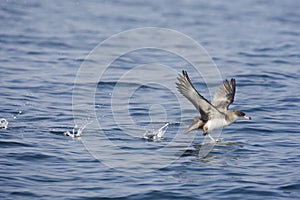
[[214, 114]]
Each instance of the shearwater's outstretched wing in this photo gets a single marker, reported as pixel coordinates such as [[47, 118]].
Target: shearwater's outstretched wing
[[224, 96], [187, 89]]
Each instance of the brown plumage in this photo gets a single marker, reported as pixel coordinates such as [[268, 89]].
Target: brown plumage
[[214, 115]]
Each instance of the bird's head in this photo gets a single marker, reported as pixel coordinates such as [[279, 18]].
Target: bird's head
[[240, 115]]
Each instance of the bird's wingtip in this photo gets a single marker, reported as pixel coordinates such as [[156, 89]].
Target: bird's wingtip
[[232, 81]]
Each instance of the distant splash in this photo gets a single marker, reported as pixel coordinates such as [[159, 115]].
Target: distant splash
[[153, 134], [156, 134], [77, 132], [3, 123]]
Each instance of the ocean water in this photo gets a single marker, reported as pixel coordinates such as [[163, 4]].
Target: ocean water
[[107, 69]]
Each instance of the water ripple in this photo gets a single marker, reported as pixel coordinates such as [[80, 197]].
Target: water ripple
[[44, 44]]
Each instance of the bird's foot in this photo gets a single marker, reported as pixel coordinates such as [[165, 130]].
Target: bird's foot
[[212, 139], [215, 140], [219, 140]]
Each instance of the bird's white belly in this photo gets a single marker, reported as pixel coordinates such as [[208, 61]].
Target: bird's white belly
[[215, 124]]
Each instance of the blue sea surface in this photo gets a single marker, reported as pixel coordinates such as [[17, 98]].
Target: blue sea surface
[[54, 78]]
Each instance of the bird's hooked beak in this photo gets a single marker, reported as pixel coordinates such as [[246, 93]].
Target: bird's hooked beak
[[247, 117]]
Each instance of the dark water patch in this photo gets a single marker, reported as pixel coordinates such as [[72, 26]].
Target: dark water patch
[[50, 43], [159, 194], [24, 194], [256, 55], [32, 156], [295, 187], [13, 144], [254, 192], [285, 62]]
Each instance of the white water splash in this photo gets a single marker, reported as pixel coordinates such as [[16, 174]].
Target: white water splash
[[3, 123], [156, 134], [77, 133]]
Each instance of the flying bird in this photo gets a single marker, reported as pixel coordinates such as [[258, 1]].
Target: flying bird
[[214, 114]]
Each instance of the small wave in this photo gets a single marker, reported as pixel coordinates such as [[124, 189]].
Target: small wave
[[127, 84]]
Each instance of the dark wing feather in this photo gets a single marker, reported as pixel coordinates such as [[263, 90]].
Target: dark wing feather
[[186, 88], [224, 96]]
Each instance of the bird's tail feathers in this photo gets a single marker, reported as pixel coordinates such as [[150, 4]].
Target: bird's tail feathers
[[197, 124]]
